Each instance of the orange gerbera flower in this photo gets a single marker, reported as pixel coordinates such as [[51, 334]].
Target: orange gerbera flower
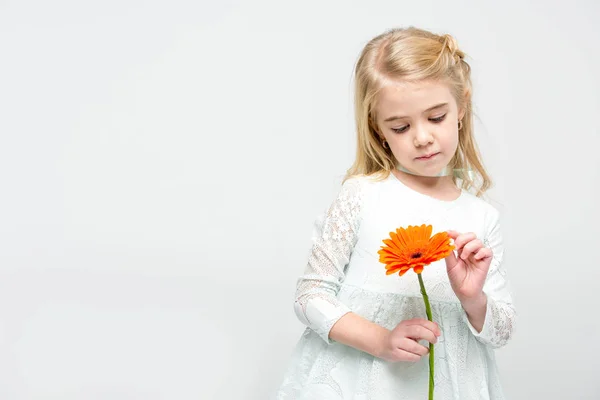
[[413, 248]]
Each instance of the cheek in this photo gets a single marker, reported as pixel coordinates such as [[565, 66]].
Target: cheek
[[451, 140], [399, 145], [455, 142], [402, 151]]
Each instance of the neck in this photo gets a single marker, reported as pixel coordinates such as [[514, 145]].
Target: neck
[[440, 187], [447, 171], [424, 182]]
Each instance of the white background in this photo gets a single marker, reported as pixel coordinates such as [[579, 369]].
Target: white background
[[162, 163]]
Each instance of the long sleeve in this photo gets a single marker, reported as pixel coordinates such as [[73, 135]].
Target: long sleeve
[[500, 313], [334, 236]]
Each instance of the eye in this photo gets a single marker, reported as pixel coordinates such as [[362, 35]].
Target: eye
[[438, 119], [400, 130]]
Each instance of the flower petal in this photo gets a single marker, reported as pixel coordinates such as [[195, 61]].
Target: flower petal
[[405, 243]]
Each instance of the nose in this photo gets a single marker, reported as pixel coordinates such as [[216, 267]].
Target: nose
[[422, 136]]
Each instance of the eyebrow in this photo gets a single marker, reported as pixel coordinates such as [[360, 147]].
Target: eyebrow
[[429, 109]]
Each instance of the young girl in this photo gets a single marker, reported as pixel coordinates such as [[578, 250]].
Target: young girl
[[416, 163]]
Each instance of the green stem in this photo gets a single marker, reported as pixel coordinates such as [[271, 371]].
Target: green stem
[[428, 311]]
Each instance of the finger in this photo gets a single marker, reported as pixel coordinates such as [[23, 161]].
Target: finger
[[451, 260], [419, 332], [432, 326], [483, 253], [463, 239], [412, 346], [403, 355], [453, 234], [472, 247]]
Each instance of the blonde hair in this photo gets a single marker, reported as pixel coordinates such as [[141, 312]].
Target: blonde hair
[[412, 54]]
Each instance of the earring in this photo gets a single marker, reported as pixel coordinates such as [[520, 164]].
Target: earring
[[460, 125], [385, 145]]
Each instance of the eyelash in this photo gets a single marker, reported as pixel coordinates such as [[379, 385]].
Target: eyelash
[[434, 120]]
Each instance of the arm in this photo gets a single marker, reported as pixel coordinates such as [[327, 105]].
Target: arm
[[360, 333], [398, 344], [316, 304], [491, 316], [476, 311]]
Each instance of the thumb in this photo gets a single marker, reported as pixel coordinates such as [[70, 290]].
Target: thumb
[[451, 261]]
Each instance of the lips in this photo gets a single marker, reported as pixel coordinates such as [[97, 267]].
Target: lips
[[428, 156]]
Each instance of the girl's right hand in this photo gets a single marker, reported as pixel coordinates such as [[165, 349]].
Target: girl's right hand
[[402, 342]]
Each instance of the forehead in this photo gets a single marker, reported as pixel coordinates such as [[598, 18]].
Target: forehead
[[411, 98]]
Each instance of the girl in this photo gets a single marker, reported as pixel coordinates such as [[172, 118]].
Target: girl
[[416, 163]]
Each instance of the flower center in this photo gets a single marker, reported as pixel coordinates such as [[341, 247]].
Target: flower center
[[416, 255]]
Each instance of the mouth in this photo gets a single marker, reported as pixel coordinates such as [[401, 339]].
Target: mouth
[[428, 156]]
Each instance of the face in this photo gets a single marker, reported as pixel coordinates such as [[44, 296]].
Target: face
[[420, 123]]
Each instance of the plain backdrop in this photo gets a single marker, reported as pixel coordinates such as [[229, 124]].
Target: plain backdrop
[[162, 164]]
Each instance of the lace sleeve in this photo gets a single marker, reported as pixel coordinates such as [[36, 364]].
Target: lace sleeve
[[334, 237], [500, 313]]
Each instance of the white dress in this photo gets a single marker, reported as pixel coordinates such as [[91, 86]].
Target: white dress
[[344, 274]]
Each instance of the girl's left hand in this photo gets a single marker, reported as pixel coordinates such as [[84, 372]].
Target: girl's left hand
[[468, 272]]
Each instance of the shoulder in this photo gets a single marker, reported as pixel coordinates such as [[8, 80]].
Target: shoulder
[[489, 213], [363, 182], [361, 188], [355, 185], [355, 192]]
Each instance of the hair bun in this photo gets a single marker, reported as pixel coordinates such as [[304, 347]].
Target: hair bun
[[451, 44]]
